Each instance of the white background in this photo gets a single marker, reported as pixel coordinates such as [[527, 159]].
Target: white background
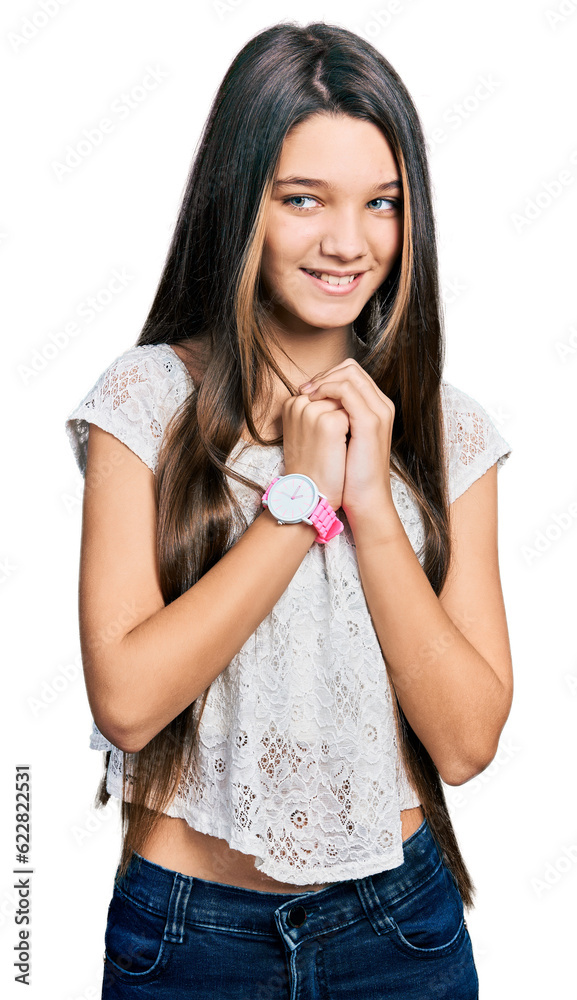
[[507, 270]]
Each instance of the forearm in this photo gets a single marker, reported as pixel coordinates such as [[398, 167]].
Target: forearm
[[168, 660], [450, 694]]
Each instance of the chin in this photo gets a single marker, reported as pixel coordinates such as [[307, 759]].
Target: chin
[[329, 318]]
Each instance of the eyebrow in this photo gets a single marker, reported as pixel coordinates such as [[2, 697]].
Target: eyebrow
[[316, 182]]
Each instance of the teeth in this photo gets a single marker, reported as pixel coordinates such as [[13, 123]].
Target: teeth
[[332, 279]]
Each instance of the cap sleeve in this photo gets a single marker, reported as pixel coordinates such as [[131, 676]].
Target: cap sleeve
[[473, 442], [133, 399]]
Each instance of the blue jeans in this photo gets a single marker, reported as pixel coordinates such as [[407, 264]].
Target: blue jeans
[[399, 935]]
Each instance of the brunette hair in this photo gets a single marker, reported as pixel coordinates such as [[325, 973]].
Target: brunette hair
[[211, 303]]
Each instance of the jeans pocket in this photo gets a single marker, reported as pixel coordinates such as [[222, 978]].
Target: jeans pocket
[[134, 946], [428, 921]]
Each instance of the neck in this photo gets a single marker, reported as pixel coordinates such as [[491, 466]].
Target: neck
[[312, 352]]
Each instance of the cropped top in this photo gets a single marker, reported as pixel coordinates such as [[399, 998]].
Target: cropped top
[[298, 762]]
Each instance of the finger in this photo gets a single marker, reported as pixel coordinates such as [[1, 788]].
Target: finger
[[330, 371], [349, 368], [353, 400], [326, 403], [299, 402]]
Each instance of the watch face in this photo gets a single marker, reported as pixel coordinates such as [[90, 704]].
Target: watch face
[[292, 497]]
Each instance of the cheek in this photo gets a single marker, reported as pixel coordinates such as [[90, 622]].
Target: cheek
[[287, 244], [274, 257]]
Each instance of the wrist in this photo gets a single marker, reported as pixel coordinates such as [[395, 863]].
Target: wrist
[[301, 529], [374, 522]]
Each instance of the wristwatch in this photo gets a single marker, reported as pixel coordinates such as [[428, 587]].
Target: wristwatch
[[295, 498]]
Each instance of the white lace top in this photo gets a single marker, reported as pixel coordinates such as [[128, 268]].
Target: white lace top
[[298, 761]]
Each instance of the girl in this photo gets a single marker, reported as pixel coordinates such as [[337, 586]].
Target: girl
[[291, 618]]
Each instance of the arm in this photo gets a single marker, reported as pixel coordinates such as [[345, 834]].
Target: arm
[[144, 662], [448, 656]]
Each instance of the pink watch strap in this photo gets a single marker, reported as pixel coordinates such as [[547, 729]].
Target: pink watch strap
[[323, 517], [266, 493], [325, 521]]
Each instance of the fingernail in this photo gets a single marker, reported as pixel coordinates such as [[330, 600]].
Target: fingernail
[[305, 385]]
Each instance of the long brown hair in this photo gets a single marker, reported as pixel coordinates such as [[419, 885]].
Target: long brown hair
[[210, 301]]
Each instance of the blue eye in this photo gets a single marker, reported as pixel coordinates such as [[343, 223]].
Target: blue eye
[[298, 197], [393, 202]]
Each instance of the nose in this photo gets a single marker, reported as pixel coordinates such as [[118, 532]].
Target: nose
[[344, 236]]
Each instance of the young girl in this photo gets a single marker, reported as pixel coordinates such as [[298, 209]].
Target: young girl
[[291, 618]]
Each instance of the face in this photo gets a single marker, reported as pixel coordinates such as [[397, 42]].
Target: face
[[339, 216]]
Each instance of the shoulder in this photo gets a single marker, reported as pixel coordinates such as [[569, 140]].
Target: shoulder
[[150, 375], [134, 399], [472, 439]]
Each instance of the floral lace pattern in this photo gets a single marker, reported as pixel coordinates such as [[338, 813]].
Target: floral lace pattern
[[298, 762], [473, 442]]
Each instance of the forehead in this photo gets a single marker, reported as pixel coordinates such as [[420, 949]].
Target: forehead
[[335, 148]]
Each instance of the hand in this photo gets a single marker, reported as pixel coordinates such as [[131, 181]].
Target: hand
[[315, 442], [368, 457]]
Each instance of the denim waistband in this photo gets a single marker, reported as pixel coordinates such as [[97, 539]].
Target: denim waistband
[[188, 900]]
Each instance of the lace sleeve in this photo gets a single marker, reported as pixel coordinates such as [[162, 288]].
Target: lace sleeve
[[132, 399], [473, 442]]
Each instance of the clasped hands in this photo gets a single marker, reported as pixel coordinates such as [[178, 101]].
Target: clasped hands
[[366, 485]]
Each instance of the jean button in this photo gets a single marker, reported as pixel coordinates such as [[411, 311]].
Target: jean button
[[296, 916]]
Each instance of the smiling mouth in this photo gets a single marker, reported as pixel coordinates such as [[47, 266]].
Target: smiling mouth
[[333, 279]]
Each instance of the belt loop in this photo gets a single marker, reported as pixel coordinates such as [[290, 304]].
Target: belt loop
[[174, 929], [371, 904]]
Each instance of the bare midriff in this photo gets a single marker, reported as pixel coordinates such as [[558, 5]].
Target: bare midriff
[[176, 845]]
